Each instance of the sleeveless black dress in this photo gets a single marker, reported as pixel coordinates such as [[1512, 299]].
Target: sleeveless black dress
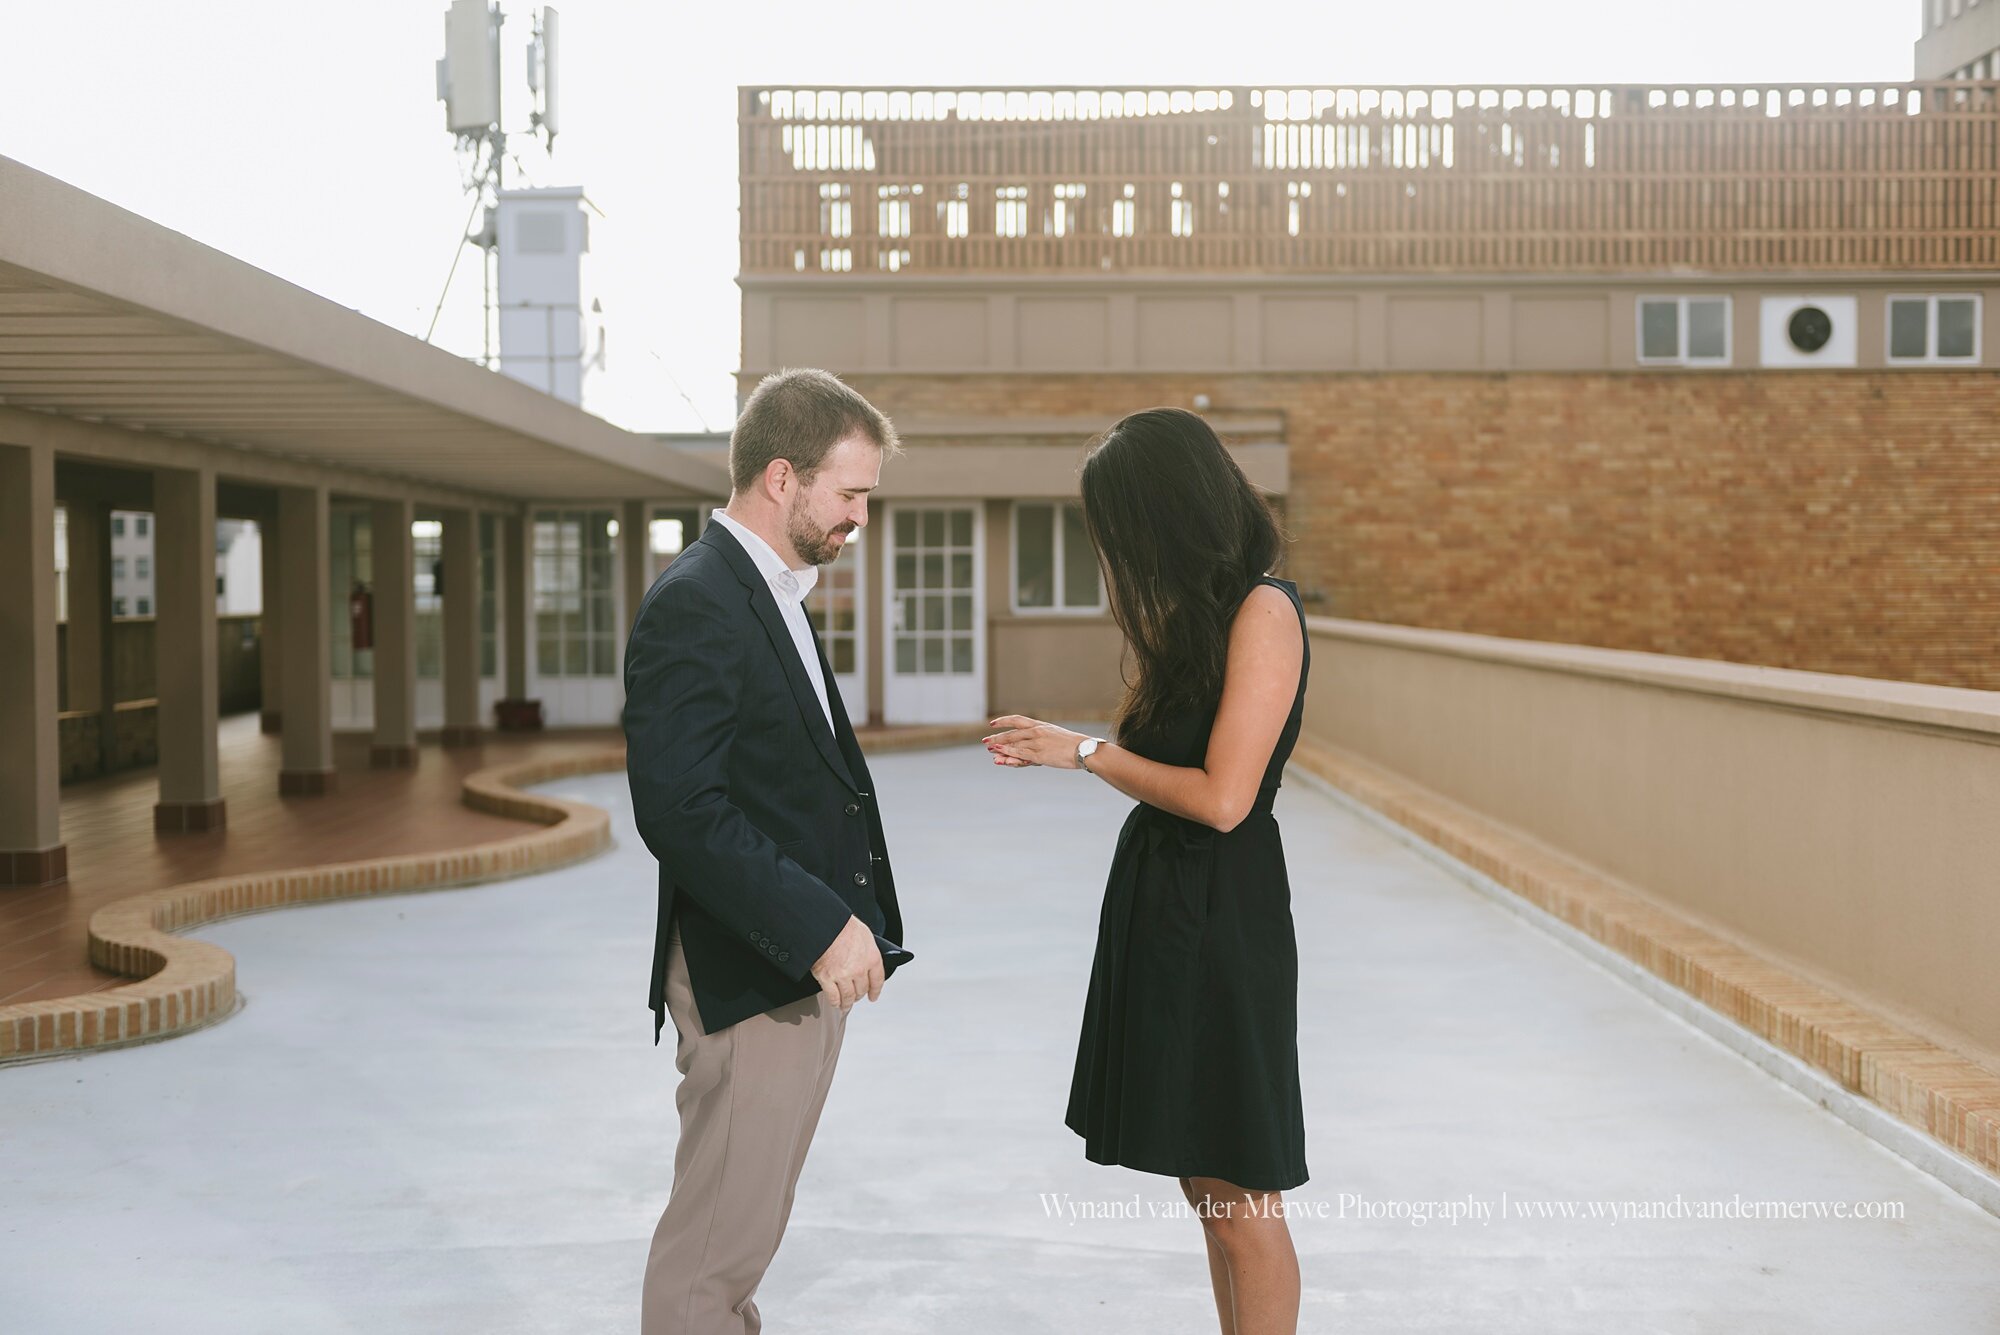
[[1188, 1063]]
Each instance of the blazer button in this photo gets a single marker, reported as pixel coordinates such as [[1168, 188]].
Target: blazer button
[[861, 878], [784, 955], [854, 808]]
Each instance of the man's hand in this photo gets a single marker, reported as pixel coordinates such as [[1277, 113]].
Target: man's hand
[[852, 965]]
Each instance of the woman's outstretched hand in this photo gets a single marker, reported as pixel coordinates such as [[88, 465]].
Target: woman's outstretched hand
[[1027, 741]]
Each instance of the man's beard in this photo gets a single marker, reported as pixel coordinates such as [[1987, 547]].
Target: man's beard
[[813, 544]]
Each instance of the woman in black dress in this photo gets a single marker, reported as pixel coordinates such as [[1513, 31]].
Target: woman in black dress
[[1188, 1060]]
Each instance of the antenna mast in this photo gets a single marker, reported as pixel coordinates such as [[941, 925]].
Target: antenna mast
[[468, 83]]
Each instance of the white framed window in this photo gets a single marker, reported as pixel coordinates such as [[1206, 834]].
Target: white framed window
[[427, 559], [836, 210], [955, 209], [1684, 331], [1055, 567], [1010, 210], [670, 530], [892, 209], [62, 563], [1125, 213], [1066, 209], [1939, 327], [573, 600]]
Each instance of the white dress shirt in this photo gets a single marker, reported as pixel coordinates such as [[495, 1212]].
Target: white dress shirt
[[790, 588]]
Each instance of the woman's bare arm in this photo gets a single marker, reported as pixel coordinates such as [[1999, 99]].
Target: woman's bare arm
[[1260, 681]]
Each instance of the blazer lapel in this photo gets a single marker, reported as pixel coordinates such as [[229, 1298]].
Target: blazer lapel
[[765, 604]]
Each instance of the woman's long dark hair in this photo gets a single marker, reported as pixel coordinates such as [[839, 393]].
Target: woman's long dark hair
[[1181, 537]]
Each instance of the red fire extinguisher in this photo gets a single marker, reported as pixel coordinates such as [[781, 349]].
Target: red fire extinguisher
[[361, 617]]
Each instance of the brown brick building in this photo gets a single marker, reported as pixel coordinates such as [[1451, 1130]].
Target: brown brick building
[[1702, 371]]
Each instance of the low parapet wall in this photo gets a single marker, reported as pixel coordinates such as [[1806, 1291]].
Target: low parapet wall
[[1816, 856]]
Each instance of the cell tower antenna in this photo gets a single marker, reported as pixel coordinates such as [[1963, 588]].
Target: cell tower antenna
[[468, 83], [542, 74]]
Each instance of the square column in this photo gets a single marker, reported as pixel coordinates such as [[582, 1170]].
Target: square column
[[461, 627], [516, 565], [185, 651], [90, 619], [107, 650], [31, 847], [89, 549], [395, 745], [306, 664], [270, 638]]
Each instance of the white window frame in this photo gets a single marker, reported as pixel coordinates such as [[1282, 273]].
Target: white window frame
[[1681, 358], [1931, 355], [1010, 210], [1066, 208], [1059, 608], [1125, 214]]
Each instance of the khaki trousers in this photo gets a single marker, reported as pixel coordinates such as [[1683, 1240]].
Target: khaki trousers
[[749, 1100]]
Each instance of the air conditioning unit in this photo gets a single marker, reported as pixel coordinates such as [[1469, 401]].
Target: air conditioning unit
[[1808, 331]]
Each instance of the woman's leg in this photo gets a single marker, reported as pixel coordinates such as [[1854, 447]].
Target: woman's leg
[[1249, 1228], [1218, 1265]]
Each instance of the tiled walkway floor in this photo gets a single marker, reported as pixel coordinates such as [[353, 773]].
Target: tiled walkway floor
[[113, 852], [443, 1113]]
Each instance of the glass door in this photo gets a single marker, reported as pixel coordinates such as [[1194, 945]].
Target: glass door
[[573, 663], [936, 622]]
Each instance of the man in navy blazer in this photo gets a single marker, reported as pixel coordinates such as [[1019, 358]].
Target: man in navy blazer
[[777, 907]]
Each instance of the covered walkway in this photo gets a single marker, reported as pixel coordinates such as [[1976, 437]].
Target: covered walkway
[[143, 372], [443, 1112]]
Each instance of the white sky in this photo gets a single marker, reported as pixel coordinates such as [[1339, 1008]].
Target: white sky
[[305, 138]]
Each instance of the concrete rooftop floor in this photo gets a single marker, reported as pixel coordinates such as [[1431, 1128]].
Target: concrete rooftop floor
[[443, 1113]]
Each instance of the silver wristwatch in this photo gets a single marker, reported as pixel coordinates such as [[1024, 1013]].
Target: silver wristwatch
[[1084, 748]]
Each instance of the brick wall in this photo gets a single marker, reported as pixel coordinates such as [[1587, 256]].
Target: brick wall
[[1839, 521]]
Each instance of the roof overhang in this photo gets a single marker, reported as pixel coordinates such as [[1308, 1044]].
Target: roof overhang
[[107, 317]]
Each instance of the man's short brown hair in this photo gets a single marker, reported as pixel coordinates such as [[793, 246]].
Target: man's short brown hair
[[799, 414]]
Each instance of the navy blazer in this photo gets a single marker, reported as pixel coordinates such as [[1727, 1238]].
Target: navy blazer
[[764, 821]]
